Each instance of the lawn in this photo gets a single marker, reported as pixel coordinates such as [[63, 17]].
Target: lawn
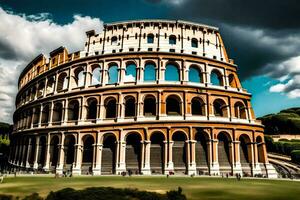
[[200, 188]]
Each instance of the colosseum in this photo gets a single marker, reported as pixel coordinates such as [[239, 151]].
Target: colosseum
[[143, 97]]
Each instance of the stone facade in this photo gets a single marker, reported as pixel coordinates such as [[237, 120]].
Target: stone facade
[[150, 97]]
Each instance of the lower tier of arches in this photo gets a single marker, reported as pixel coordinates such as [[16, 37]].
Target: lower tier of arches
[[148, 150]]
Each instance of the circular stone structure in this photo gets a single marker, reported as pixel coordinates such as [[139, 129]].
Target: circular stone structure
[[143, 97]]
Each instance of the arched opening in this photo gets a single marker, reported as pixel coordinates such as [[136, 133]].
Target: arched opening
[[62, 82], [50, 85], [149, 106], [198, 106], [42, 152], [73, 110], [79, 77], [194, 43], [157, 153], [179, 152], [172, 39], [245, 154], [149, 72], [109, 154], [96, 75], [232, 81], [130, 109], [36, 117], [69, 150], [33, 93], [110, 108], [113, 74], [54, 144], [216, 78], [172, 73], [45, 115], [224, 152], [57, 113], [92, 109], [133, 153], [195, 75], [41, 88], [201, 151], [173, 105], [220, 108], [130, 73], [260, 149], [88, 154], [240, 110], [32, 149], [150, 38]]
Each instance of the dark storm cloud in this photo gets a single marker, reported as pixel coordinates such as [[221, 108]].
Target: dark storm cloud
[[259, 13]]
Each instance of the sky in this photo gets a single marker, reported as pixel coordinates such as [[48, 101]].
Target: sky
[[263, 38]]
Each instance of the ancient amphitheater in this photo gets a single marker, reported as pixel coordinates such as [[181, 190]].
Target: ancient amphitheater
[[149, 97]]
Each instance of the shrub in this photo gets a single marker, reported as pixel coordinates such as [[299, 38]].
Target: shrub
[[295, 155], [5, 197]]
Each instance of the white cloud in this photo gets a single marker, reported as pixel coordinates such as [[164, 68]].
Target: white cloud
[[23, 37]]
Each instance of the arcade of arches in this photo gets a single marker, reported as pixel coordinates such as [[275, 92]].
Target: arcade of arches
[[179, 150]]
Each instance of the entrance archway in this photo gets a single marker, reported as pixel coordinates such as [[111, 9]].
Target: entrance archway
[[179, 152], [108, 161], [133, 153], [157, 153]]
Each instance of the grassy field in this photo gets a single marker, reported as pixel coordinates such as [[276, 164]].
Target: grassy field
[[199, 188]]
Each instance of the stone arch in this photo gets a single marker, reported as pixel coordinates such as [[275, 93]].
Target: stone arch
[[113, 73], [240, 110], [198, 106], [220, 108], [173, 105], [216, 78], [157, 152], [54, 150], [194, 43], [110, 104], [150, 38], [45, 114], [32, 149], [172, 39], [50, 85], [131, 71], [224, 154], [92, 104], [69, 149], [41, 88], [179, 151], [133, 152], [79, 76], [150, 71], [88, 142], [260, 149], [109, 148], [202, 151], [57, 113], [96, 74], [195, 74], [62, 82], [172, 72], [42, 152], [245, 149], [130, 106], [150, 105], [73, 110], [232, 81]]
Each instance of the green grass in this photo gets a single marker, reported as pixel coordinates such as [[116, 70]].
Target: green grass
[[199, 188]]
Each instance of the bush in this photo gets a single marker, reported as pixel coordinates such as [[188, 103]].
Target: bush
[[5, 197], [295, 155], [104, 193]]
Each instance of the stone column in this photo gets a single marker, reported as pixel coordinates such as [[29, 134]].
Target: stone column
[[255, 165], [236, 161], [76, 170], [40, 116], [166, 171], [50, 114], [214, 165], [36, 153], [146, 167], [61, 159], [170, 165], [29, 148], [121, 167], [98, 157], [47, 155], [192, 163], [64, 119]]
